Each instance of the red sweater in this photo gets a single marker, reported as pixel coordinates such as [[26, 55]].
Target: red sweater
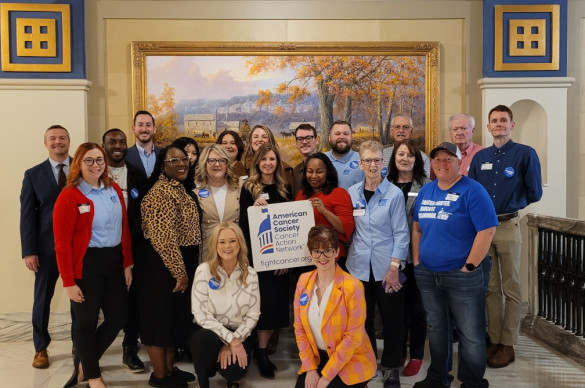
[[72, 230]]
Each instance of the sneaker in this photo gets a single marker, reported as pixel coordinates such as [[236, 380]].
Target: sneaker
[[181, 375], [391, 378], [412, 368], [131, 360], [165, 382], [430, 382]]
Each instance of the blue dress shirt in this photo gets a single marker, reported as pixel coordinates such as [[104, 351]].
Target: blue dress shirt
[[510, 174], [106, 227], [147, 159], [348, 168], [380, 234]]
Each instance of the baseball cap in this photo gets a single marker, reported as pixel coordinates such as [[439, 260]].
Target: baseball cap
[[449, 147]]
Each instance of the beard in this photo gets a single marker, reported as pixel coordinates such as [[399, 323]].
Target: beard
[[341, 148]]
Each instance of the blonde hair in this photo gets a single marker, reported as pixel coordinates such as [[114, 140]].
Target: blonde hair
[[213, 259], [254, 182], [201, 172]]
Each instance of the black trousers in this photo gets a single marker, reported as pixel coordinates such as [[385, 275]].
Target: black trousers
[[205, 347], [415, 320], [104, 287], [131, 329], [391, 308], [335, 383]]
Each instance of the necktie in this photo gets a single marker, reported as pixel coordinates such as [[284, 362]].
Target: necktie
[[62, 178]]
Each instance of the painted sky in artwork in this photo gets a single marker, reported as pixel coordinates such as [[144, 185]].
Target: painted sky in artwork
[[210, 77]]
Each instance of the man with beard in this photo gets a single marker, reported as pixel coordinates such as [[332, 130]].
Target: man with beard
[[40, 188], [143, 154], [344, 159], [131, 180], [401, 129], [306, 140]]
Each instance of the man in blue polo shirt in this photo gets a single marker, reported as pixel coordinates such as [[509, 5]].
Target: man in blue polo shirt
[[344, 159], [510, 172]]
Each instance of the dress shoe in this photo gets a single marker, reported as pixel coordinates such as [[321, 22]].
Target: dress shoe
[[412, 368], [502, 358], [430, 382], [131, 360], [181, 375], [41, 360], [391, 378], [75, 377], [167, 381], [490, 349], [266, 370]]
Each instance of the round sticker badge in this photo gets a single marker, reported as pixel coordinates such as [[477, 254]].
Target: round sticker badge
[[204, 193], [134, 193], [354, 164], [213, 284], [509, 172], [384, 172], [304, 299], [360, 204]]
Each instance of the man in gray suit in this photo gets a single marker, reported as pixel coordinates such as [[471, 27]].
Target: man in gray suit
[[142, 155], [40, 189]]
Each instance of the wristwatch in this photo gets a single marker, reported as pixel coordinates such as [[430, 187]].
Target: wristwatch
[[470, 267]]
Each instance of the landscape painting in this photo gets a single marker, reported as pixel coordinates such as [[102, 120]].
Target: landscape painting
[[200, 90]]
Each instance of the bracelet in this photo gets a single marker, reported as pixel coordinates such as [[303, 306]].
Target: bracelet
[[237, 343], [395, 264]]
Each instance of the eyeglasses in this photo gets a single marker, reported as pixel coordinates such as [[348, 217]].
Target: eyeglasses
[[328, 253], [301, 139], [220, 161], [405, 127], [370, 161], [176, 161], [90, 161]]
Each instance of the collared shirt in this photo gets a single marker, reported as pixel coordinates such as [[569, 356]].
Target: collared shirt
[[381, 231], [387, 154], [510, 174], [148, 159], [348, 168], [467, 156], [106, 227], [316, 312], [54, 166]]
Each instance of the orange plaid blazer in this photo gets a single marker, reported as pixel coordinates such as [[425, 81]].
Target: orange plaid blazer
[[343, 330]]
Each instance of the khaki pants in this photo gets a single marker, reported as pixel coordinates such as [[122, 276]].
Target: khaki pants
[[504, 300]]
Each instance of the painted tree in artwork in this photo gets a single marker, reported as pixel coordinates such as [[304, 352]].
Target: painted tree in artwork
[[163, 109], [345, 85]]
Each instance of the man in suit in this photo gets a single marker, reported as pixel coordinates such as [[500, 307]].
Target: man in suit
[[40, 188], [142, 155], [131, 180]]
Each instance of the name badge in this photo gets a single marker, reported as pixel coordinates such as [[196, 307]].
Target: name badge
[[84, 208], [487, 166], [265, 196], [359, 212], [452, 197], [411, 194]]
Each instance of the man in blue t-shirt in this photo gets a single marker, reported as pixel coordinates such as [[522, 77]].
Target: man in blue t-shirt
[[453, 224], [344, 159], [510, 172]]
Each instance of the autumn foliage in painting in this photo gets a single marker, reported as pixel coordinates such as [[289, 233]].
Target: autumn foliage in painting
[[163, 108], [371, 87]]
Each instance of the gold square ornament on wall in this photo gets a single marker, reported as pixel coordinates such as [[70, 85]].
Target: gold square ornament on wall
[[30, 37], [527, 37]]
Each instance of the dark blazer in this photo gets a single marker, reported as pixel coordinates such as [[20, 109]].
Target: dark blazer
[[37, 199], [133, 158], [136, 180]]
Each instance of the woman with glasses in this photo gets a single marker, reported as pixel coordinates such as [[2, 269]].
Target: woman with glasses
[[377, 253], [266, 185], [170, 223], [234, 145], [218, 191], [330, 312], [406, 170], [94, 256], [189, 145], [259, 135], [331, 204]]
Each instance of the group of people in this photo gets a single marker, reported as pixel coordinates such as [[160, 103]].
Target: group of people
[[159, 241]]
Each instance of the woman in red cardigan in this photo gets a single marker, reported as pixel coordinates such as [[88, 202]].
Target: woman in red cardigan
[[94, 255]]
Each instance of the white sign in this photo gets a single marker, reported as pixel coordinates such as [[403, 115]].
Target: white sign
[[278, 234]]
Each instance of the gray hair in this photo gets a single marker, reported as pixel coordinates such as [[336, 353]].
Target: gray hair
[[371, 145], [468, 116]]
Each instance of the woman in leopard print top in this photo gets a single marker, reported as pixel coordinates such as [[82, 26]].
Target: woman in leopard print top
[[165, 264]]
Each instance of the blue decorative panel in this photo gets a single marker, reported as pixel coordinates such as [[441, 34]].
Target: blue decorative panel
[[525, 38], [42, 39]]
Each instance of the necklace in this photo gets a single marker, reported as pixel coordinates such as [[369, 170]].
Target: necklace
[[402, 185], [115, 176]]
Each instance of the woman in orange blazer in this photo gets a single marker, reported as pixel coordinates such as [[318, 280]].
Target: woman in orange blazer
[[330, 315]]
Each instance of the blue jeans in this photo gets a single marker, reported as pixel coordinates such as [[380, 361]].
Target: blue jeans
[[460, 296]]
